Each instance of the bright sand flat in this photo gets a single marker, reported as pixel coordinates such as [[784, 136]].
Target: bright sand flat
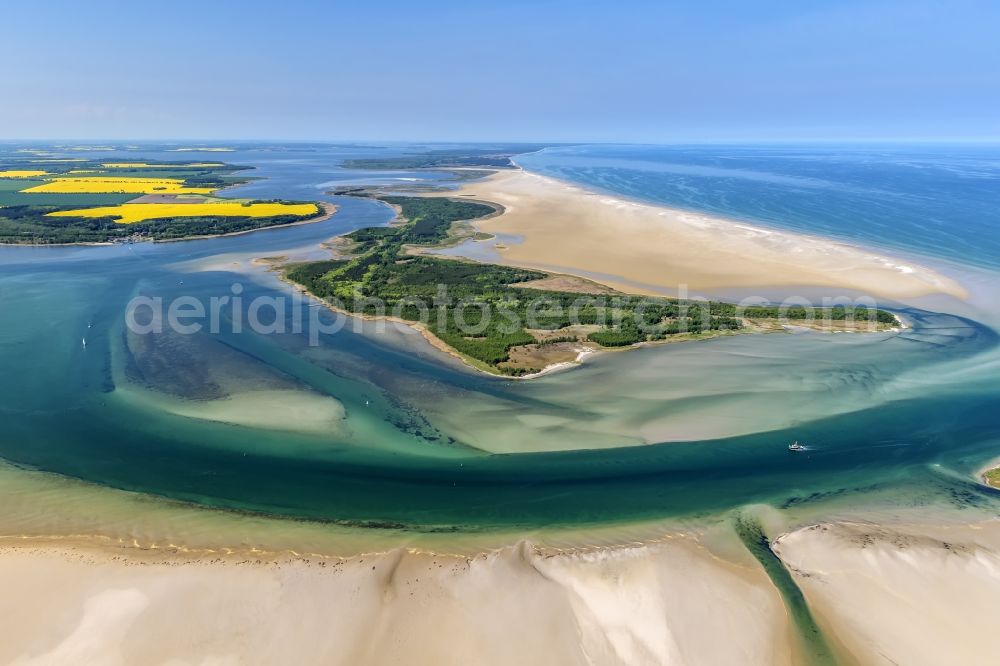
[[670, 602], [637, 247], [902, 593], [910, 595]]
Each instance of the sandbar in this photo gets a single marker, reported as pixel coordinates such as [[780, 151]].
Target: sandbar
[[670, 602], [902, 594], [644, 248]]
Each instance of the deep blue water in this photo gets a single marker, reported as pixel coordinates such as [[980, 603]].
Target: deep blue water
[[939, 201]]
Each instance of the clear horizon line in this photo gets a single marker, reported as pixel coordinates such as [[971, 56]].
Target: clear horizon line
[[664, 141], [677, 142]]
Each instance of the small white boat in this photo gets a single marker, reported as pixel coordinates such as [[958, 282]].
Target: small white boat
[[85, 343], [795, 446]]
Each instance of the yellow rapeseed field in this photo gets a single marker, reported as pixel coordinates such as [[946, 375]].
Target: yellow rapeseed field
[[109, 184], [13, 173], [131, 213]]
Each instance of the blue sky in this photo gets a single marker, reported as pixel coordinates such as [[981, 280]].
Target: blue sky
[[533, 71]]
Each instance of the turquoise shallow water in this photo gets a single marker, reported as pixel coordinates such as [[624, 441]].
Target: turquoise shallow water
[[909, 415]]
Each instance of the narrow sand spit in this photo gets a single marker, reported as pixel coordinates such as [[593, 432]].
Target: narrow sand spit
[[671, 602], [906, 594], [637, 247]]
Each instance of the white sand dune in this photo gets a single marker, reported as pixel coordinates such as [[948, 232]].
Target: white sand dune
[[645, 248]]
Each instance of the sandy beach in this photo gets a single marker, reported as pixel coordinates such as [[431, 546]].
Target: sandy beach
[[896, 594], [642, 248], [662, 603], [902, 594]]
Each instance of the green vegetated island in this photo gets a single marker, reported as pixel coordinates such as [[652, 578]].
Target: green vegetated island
[[47, 200], [513, 321], [991, 477], [492, 157]]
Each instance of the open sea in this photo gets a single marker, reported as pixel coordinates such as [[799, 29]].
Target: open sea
[[937, 201]]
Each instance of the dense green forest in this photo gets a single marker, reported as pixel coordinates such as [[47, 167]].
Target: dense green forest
[[481, 311]]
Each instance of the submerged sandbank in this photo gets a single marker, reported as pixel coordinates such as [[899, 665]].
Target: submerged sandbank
[[643, 248]]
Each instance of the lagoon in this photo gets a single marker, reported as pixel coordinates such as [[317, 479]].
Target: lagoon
[[426, 445]]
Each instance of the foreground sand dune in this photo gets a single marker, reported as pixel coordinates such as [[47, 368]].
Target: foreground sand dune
[[668, 603], [911, 595], [883, 594], [645, 248]]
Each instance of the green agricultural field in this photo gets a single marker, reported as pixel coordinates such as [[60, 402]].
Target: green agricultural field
[[25, 215], [62, 200]]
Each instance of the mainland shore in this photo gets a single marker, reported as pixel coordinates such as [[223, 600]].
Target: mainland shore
[[654, 250], [325, 211]]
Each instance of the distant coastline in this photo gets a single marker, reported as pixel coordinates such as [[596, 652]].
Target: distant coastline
[[326, 211], [100, 202]]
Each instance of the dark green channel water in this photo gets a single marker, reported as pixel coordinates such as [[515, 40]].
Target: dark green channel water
[[61, 412]]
